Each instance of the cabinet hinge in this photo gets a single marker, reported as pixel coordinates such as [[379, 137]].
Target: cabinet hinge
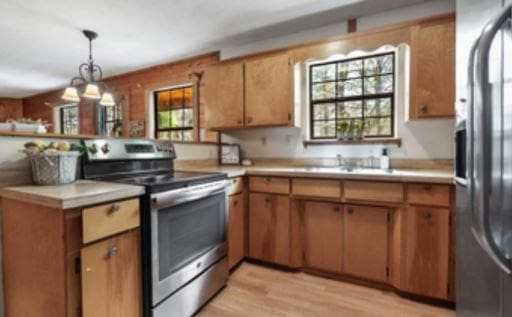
[[389, 217], [78, 265], [450, 221], [387, 270], [289, 60], [289, 116]]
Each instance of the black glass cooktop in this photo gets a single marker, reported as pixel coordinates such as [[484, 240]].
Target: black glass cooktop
[[167, 181]]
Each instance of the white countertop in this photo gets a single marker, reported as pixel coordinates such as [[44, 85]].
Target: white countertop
[[79, 194]]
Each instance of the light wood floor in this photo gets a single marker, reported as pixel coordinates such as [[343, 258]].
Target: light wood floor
[[259, 291]]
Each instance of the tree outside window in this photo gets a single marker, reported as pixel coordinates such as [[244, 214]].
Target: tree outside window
[[174, 114]]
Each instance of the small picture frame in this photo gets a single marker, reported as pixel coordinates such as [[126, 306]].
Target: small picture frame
[[229, 154]]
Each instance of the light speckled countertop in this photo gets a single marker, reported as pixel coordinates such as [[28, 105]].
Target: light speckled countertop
[[430, 176], [79, 194]]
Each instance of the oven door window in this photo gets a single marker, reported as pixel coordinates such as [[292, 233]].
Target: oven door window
[[188, 231]]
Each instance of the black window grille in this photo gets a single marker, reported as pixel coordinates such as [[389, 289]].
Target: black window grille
[[174, 114], [69, 120]]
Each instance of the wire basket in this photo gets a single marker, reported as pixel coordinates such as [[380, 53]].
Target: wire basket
[[53, 168]]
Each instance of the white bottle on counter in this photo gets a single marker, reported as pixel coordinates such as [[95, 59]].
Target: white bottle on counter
[[384, 159]]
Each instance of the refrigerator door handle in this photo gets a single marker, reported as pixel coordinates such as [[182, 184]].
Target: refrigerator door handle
[[483, 145]]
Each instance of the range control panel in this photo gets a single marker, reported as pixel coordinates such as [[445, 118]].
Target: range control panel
[[129, 149]]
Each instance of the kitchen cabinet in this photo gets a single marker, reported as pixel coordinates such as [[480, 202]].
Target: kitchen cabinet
[[432, 90], [268, 91], [236, 230], [365, 237], [427, 251], [224, 96], [269, 227], [323, 231], [251, 93], [111, 273]]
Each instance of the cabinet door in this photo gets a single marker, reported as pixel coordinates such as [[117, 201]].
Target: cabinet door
[[224, 96], [236, 230], [268, 91], [427, 251], [324, 236], [366, 242], [111, 280], [433, 70], [269, 228]]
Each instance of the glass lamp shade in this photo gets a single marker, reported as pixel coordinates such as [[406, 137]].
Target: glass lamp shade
[[71, 94], [107, 100], [92, 92]]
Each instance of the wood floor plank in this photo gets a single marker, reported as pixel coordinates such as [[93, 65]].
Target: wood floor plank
[[257, 291]]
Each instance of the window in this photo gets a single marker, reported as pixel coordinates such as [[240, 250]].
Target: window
[[356, 92], [111, 121], [174, 114], [69, 120]]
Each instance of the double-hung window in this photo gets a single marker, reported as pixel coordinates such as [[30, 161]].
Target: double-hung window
[[353, 92], [69, 120]]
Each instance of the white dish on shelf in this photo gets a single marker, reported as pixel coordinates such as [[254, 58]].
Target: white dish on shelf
[[6, 126], [29, 127]]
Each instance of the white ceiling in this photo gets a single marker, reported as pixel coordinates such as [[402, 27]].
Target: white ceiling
[[41, 43]]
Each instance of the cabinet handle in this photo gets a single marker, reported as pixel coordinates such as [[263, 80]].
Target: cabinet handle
[[423, 109], [115, 208], [427, 187], [112, 252], [267, 200], [427, 215], [268, 179], [350, 210]]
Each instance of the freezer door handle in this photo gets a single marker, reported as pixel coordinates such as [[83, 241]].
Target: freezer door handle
[[482, 158]]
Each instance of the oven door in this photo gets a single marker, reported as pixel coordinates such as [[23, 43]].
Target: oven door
[[188, 235]]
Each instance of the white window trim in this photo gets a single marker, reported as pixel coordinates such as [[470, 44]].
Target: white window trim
[[401, 102]]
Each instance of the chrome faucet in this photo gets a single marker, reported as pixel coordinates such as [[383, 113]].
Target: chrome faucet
[[371, 161]]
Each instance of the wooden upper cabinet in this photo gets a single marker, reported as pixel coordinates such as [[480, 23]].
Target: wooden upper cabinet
[[427, 251], [236, 230], [269, 228], [366, 242], [224, 96], [111, 277], [268, 91], [433, 69], [323, 223]]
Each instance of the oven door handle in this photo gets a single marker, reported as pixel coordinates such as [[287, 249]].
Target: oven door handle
[[179, 196]]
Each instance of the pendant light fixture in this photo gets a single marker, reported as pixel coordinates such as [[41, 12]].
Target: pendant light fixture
[[90, 75]]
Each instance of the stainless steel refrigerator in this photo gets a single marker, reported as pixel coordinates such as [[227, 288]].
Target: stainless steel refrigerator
[[484, 158]]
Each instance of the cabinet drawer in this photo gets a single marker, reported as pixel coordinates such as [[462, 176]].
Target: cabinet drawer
[[324, 188], [236, 186], [105, 220], [374, 191], [268, 184], [428, 194]]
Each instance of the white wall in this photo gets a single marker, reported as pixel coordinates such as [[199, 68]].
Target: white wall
[[421, 139]]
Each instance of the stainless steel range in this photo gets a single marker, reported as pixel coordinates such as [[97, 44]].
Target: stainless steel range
[[183, 222]]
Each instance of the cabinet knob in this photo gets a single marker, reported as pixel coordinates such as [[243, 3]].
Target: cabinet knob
[[427, 215], [350, 210], [423, 109], [267, 200], [268, 179], [112, 252], [235, 181], [115, 208], [235, 202], [427, 187], [336, 208], [249, 119], [239, 122]]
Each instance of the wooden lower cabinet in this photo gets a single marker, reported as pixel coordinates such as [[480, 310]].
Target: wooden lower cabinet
[[365, 236], [427, 251], [323, 236], [236, 230], [269, 228], [111, 277]]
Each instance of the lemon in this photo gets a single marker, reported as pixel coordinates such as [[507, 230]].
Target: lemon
[[63, 146]]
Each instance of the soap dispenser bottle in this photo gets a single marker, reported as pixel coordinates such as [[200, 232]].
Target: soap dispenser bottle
[[384, 159]]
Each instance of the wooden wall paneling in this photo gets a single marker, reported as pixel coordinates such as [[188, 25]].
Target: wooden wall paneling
[[10, 108], [269, 91], [33, 260]]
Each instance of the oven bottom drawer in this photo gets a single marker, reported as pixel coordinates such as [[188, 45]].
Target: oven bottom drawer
[[194, 295]]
